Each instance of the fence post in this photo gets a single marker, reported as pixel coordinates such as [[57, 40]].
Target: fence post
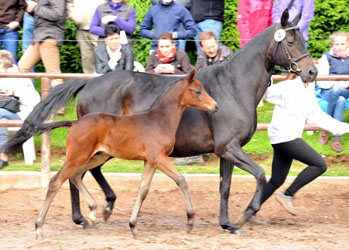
[[45, 140]]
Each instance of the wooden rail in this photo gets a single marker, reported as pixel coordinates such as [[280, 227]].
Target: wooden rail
[[45, 88]]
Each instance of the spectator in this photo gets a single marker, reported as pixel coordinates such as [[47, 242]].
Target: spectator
[[253, 17], [208, 15], [81, 12], [116, 11], [11, 15], [167, 59], [335, 62], [46, 41], [28, 30], [185, 3], [294, 103], [211, 52], [113, 55], [306, 7], [22, 88], [167, 17]]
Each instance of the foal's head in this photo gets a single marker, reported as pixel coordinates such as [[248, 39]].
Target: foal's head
[[195, 95]]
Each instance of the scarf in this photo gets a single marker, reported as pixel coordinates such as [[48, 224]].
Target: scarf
[[167, 59], [341, 55]]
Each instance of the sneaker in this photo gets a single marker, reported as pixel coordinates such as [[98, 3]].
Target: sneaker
[[336, 144], [287, 202], [323, 139], [197, 159]]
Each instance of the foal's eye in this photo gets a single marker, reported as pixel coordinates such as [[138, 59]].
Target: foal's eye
[[198, 91]]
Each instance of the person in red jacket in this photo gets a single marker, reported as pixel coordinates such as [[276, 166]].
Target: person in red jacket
[[253, 17]]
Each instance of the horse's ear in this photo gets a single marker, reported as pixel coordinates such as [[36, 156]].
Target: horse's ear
[[192, 76], [284, 18], [297, 18]]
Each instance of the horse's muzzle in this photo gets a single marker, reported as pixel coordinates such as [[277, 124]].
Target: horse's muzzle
[[310, 74]]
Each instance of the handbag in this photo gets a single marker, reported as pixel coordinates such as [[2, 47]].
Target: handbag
[[11, 103]]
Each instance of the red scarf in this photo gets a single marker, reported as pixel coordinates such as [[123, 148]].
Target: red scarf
[[166, 59]]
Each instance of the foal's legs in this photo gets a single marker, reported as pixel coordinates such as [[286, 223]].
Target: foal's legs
[[54, 186], [143, 190], [164, 164]]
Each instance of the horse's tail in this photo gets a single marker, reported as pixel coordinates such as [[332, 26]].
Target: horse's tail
[[41, 128], [46, 127], [57, 98]]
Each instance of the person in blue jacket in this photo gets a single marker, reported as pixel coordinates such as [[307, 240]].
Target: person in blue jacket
[[167, 16]]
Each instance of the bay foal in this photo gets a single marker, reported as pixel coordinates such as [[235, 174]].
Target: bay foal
[[148, 136]]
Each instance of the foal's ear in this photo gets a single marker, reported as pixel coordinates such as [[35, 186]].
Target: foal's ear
[[284, 18], [191, 77], [297, 18]]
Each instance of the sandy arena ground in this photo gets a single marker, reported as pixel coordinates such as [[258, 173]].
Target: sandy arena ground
[[322, 223]]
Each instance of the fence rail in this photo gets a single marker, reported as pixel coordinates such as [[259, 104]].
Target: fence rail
[[45, 88]]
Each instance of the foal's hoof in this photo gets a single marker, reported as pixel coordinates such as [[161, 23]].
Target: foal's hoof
[[107, 211], [188, 228], [88, 226]]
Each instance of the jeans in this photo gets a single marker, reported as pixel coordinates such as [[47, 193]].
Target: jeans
[[9, 39], [208, 24], [336, 98], [28, 29], [6, 115]]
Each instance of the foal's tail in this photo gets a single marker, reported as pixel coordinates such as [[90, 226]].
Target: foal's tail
[[57, 98], [46, 127]]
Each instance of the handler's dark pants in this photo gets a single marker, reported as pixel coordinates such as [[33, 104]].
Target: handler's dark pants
[[284, 153]]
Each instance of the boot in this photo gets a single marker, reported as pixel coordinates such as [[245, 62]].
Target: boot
[[323, 139], [336, 144]]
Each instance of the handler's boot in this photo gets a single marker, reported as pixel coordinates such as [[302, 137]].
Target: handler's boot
[[287, 202], [336, 144]]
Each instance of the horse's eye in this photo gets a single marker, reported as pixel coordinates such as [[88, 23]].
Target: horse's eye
[[290, 43], [198, 91]]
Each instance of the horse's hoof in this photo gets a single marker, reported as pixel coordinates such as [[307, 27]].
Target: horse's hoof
[[188, 228], [88, 226], [241, 220], [107, 211], [237, 231], [38, 235]]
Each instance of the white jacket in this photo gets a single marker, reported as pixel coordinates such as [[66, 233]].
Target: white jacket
[[294, 104], [24, 89]]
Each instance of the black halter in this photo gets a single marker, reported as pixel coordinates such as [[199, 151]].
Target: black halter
[[293, 63]]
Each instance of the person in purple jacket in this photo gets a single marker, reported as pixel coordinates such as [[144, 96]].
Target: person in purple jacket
[[115, 11], [304, 6]]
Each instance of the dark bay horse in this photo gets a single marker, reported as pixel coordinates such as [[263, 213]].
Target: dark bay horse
[[148, 136], [237, 85]]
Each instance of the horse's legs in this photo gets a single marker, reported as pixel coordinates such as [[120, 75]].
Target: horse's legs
[[234, 153], [143, 190], [164, 164], [54, 186], [226, 170], [92, 204], [109, 193], [75, 202]]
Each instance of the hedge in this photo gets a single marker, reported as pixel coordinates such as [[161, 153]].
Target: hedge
[[330, 16]]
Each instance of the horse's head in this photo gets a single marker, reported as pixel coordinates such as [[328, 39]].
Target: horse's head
[[288, 49], [195, 95]]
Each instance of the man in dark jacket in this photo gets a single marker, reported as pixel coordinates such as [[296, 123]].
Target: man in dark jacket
[[211, 52], [113, 55], [208, 15]]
